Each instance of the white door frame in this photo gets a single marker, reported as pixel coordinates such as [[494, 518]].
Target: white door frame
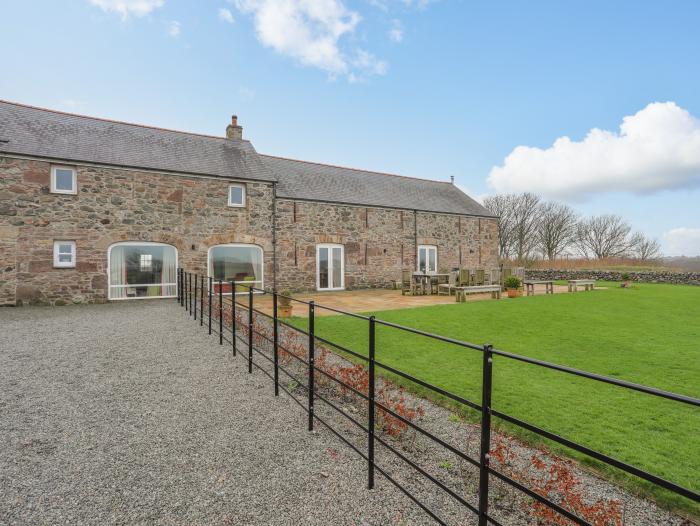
[[427, 249], [330, 247]]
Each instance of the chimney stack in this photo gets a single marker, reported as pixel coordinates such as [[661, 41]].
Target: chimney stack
[[452, 179], [233, 130]]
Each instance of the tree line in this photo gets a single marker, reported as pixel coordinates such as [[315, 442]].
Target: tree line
[[530, 228]]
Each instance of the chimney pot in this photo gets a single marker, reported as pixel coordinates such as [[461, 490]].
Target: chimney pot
[[233, 130]]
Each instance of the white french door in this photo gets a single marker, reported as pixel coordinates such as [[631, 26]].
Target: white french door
[[427, 258], [330, 267]]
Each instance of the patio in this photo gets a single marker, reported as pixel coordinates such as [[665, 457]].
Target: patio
[[373, 300]]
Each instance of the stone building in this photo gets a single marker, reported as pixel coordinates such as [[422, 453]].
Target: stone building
[[94, 210]]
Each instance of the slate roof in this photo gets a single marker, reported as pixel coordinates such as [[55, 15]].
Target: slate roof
[[57, 135], [323, 182]]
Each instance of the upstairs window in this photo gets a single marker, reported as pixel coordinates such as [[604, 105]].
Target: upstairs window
[[236, 195], [63, 180], [64, 254]]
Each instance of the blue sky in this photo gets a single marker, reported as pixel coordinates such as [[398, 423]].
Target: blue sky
[[417, 87]]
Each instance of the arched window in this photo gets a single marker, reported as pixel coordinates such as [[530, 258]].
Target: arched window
[[142, 270], [236, 262]]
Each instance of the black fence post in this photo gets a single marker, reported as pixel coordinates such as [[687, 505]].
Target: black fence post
[[275, 342], [486, 388], [221, 313], [250, 329], [184, 290], [195, 297], [179, 286], [233, 318], [189, 292], [210, 286], [312, 342], [201, 302], [371, 408]]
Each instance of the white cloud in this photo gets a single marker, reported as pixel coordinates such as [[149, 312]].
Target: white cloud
[[655, 149], [174, 28], [226, 15], [124, 8], [682, 242], [246, 93], [396, 31], [310, 31]]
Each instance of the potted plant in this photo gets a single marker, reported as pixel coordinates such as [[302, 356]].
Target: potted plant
[[512, 284], [625, 277], [284, 304]]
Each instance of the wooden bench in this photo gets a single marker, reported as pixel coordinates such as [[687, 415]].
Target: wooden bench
[[461, 292], [530, 286], [588, 284]]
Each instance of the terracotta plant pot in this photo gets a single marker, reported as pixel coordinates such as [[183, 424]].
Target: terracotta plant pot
[[284, 311], [512, 293]]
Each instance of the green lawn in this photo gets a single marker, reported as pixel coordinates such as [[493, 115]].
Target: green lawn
[[649, 334]]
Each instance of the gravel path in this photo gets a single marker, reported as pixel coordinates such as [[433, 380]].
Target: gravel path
[[129, 414]]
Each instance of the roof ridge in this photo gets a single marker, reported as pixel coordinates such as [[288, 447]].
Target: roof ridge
[[353, 168], [103, 119]]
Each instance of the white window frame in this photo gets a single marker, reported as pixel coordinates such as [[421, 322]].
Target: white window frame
[[330, 246], [55, 190], [427, 249], [57, 263], [138, 244], [243, 195], [258, 284]]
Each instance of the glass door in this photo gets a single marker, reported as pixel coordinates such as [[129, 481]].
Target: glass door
[[427, 259], [330, 267]]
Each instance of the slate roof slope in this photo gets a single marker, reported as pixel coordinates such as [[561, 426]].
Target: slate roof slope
[[57, 135], [322, 182]]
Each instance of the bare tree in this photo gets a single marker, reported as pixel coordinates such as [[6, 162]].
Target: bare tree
[[644, 247], [555, 228], [502, 206], [603, 236], [525, 215]]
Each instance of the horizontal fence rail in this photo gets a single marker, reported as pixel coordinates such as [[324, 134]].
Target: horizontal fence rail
[[198, 295]]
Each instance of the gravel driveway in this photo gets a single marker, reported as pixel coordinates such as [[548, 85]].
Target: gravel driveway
[[127, 413]]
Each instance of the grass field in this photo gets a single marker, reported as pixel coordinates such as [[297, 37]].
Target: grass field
[[649, 334]]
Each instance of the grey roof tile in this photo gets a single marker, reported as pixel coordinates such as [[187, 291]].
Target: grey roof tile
[[56, 135], [322, 182], [52, 134]]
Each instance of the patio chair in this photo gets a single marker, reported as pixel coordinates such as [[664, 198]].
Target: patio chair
[[505, 274], [449, 287], [407, 282], [478, 277], [464, 277], [492, 277]]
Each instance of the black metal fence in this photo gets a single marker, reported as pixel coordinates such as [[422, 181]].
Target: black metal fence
[[198, 295]]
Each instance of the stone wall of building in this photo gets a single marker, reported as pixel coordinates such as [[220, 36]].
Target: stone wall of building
[[677, 278], [378, 242], [113, 205], [191, 213]]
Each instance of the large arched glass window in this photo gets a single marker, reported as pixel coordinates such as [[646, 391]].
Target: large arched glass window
[[142, 270], [236, 262]]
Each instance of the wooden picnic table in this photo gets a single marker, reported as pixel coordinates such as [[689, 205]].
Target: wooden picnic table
[[588, 284], [424, 279], [530, 286]]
